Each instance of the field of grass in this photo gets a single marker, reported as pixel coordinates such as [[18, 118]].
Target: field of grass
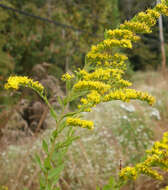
[[123, 131]]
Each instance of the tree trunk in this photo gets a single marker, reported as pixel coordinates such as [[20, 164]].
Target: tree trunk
[[162, 43]]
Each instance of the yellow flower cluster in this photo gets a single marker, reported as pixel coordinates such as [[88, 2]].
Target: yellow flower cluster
[[111, 43], [16, 81], [101, 74], [131, 173], [128, 173], [145, 20], [156, 157], [123, 83], [165, 2], [154, 14], [149, 18], [67, 77], [112, 76], [162, 8], [98, 56], [91, 100], [127, 94], [106, 57], [107, 60], [143, 17], [114, 64], [135, 26], [92, 85], [143, 168], [122, 34], [105, 65], [79, 122]]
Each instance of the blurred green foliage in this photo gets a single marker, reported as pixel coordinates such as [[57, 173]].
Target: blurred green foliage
[[31, 41]]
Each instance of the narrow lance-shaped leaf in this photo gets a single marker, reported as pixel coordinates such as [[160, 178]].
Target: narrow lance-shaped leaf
[[45, 146]]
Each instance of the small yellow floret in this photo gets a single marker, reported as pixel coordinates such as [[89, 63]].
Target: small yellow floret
[[79, 122], [16, 81], [66, 77]]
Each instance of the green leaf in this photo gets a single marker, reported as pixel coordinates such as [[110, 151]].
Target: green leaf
[[55, 172], [47, 164], [42, 182], [70, 114], [53, 113], [59, 155], [55, 133], [45, 146], [76, 95], [68, 86], [60, 101], [112, 181], [62, 126], [38, 161]]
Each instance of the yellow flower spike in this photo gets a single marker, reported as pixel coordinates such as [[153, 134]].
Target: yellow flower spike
[[116, 61], [149, 18], [84, 101], [109, 43], [124, 83], [128, 94], [145, 169], [162, 8], [92, 99], [79, 122], [128, 173], [67, 76], [16, 81], [165, 2], [155, 14], [92, 85], [102, 74], [136, 27], [156, 157], [122, 34]]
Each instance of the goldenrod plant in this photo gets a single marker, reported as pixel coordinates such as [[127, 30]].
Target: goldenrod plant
[[155, 158], [101, 80]]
